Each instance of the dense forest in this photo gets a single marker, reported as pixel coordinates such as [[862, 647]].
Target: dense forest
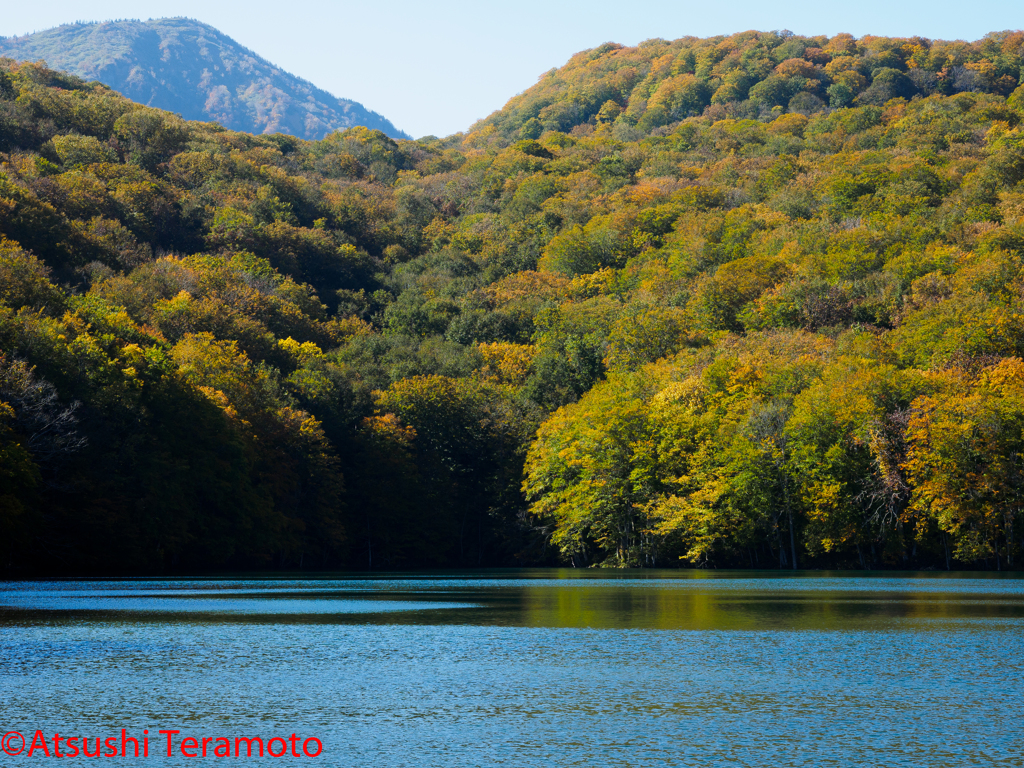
[[748, 301]]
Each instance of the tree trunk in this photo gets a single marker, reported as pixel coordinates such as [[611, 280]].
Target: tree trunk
[[792, 537], [789, 520], [1009, 540]]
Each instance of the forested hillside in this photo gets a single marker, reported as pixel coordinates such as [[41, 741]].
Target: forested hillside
[[188, 67], [745, 301]]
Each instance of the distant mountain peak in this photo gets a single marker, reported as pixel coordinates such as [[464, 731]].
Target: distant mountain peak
[[189, 67]]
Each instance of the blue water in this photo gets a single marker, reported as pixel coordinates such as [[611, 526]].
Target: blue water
[[528, 668]]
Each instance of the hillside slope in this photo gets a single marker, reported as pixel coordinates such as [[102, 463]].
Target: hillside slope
[[753, 75], [190, 68], [768, 333]]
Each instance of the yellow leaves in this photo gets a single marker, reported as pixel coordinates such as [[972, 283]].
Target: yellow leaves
[[589, 285], [137, 360], [678, 96], [825, 503], [389, 428], [691, 393], [74, 150], [116, 320], [84, 346], [481, 138], [697, 517], [1000, 130], [986, 69], [312, 436], [344, 328], [792, 124], [798, 68], [310, 379], [193, 169], [305, 353], [507, 363], [513, 161], [179, 314], [608, 112], [25, 280], [841, 64], [202, 354], [181, 301], [852, 79], [715, 299], [1006, 377], [204, 361], [438, 232], [644, 194], [966, 447], [915, 55], [1011, 208], [731, 135], [219, 399], [644, 333]]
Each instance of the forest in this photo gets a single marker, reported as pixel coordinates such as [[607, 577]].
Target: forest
[[745, 301]]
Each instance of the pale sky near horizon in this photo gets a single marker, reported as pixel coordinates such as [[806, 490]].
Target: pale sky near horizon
[[435, 68]]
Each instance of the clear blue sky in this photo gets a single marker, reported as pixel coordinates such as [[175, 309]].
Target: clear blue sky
[[435, 67]]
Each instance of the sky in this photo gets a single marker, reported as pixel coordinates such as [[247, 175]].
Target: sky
[[434, 68]]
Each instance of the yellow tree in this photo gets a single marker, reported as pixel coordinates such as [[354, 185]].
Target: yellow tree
[[592, 471], [966, 460]]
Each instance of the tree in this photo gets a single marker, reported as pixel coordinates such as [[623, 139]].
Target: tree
[[966, 460], [468, 447], [590, 474]]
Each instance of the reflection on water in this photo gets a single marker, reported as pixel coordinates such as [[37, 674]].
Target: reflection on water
[[656, 601], [534, 668]]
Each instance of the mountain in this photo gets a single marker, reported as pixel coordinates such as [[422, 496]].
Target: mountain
[[190, 68]]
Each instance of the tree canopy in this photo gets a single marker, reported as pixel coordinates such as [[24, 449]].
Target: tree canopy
[[744, 301]]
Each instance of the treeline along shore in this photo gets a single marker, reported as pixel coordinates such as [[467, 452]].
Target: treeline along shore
[[747, 301]]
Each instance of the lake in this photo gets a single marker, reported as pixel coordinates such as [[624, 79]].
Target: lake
[[523, 668]]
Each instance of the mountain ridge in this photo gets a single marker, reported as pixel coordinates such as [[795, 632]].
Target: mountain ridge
[[750, 75], [191, 68]]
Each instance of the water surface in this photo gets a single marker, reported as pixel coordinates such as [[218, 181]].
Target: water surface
[[531, 668]]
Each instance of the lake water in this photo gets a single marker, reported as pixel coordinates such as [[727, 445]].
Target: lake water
[[526, 668]]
